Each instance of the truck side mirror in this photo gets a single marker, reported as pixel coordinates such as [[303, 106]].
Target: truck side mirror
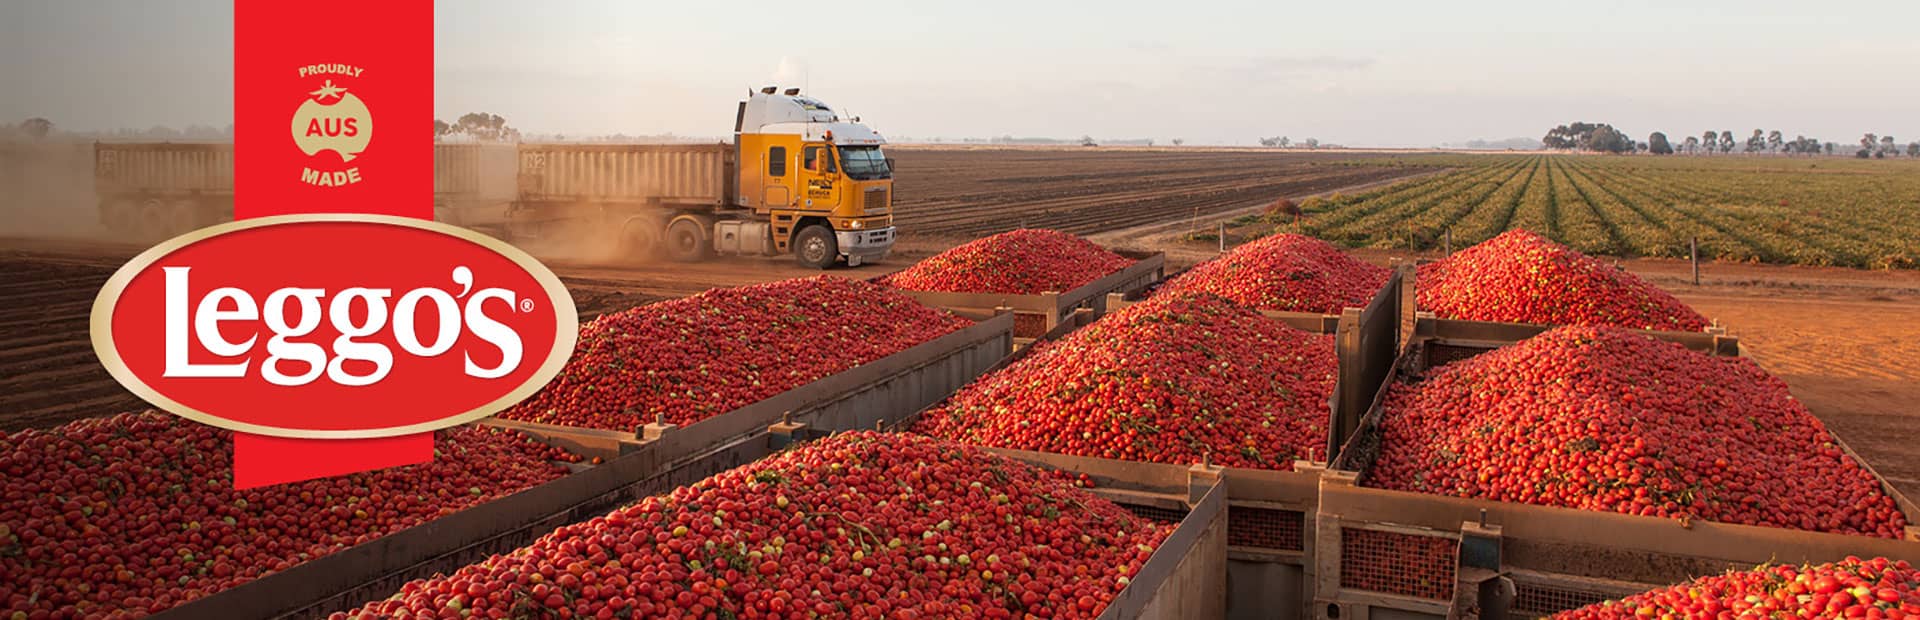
[[889, 164]]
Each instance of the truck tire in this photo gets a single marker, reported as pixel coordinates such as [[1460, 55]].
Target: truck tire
[[121, 217], [183, 218], [816, 247], [154, 221], [685, 241], [639, 240]]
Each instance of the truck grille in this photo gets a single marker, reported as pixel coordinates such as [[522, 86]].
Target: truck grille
[[876, 200]]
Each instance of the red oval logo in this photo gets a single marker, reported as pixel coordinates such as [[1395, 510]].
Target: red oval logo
[[334, 326]]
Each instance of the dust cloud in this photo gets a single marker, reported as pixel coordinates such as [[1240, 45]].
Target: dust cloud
[[46, 190]]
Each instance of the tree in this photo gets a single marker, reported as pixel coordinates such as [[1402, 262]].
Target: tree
[[1775, 140], [1657, 144], [1887, 146], [1585, 136], [440, 128], [1710, 140], [1313, 143], [1869, 142], [1726, 141], [1798, 145], [1285, 142], [1757, 142], [1830, 147], [1179, 141], [1605, 139], [1913, 149], [1088, 141], [1691, 145], [36, 127], [486, 127]]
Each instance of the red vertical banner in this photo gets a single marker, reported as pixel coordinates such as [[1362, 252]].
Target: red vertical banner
[[330, 116]]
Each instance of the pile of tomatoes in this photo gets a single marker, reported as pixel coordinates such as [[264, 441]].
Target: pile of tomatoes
[[688, 359], [1601, 418], [1019, 262], [1851, 588], [1285, 272], [136, 513], [1168, 380], [1521, 277], [858, 525]]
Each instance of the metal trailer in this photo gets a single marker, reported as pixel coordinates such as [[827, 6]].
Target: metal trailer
[[1367, 340], [1186, 576], [474, 185], [630, 469], [1270, 515], [1303, 321], [1399, 554], [1037, 313], [895, 385], [627, 192], [1181, 579], [1399, 284], [159, 190]]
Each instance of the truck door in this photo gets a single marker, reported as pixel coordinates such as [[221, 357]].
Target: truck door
[[774, 193], [819, 175]]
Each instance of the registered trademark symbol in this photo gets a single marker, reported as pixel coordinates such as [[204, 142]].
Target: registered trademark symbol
[[526, 305]]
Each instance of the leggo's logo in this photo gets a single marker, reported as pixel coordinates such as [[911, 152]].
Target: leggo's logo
[[334, 326], [332, 119]]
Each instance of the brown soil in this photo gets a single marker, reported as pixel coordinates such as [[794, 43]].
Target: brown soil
[[963, 194]]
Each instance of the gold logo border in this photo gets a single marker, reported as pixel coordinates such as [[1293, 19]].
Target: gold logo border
[[567, 325]]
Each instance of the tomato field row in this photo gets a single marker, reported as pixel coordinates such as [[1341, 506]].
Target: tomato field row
[[1772, 210]]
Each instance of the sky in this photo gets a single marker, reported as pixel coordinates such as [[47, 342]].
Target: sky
[[1381, 73]]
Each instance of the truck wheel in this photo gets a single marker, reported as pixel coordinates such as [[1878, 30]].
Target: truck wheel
[[684, 241], [121, 217], [816, 247], [639, 240], [184, 218], [154, 221]]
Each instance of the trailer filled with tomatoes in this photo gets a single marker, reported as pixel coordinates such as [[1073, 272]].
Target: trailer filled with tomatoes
[[1042, 276], [1046, 403], [851, 524], [610, 468], [1524, 470]]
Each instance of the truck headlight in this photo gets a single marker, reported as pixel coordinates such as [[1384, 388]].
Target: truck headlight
[[853, 223]]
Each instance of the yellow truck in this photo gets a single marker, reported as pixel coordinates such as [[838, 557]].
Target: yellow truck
[[797, 178]]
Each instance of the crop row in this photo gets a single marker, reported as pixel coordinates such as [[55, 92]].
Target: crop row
[[1809, 212]]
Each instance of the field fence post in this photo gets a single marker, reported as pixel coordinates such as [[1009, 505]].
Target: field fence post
[[1223, 237], [1693, 254], [1449, 245]]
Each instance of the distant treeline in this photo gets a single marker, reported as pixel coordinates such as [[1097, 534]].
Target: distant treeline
[[1603, 138]]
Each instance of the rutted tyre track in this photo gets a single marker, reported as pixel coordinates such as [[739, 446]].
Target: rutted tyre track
[[968, 193], [48, 372]]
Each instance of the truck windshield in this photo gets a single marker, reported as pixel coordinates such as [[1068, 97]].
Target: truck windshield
[[864, 163]]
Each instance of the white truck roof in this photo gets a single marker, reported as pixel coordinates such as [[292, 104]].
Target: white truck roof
[[801, 115]]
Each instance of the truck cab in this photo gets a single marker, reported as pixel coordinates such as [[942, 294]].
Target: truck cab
[[822, 181]]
